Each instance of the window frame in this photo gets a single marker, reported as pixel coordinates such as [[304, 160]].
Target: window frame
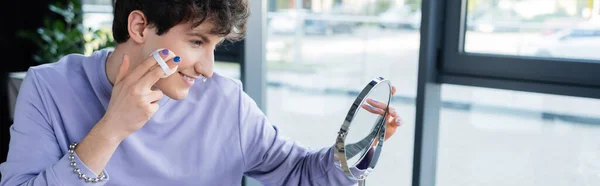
[[230, 52], [572, 77]]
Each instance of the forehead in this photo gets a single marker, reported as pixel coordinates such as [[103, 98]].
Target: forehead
[[205, 29]]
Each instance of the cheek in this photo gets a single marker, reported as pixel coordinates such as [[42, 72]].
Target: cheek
[[168, 43], [188, 58], [153, 43]]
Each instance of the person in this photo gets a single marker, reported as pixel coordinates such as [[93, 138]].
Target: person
[[111, 118]]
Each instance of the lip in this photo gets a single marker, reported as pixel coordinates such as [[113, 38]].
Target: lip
[[193, 77], [187, 81]]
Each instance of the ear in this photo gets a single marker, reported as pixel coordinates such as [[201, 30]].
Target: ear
[[137, 23]]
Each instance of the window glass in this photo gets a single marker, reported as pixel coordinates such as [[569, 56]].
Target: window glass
[[498, 137], [539, 28], [320, 53]]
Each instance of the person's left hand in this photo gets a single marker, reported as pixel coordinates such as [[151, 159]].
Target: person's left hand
[[393, 121]]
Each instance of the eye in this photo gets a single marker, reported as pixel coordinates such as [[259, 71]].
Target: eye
[[196, 43]]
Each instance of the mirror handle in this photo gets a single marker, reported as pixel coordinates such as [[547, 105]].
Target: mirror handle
[[362, 181]]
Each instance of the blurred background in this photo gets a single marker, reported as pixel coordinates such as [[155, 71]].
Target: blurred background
[[320, 53]]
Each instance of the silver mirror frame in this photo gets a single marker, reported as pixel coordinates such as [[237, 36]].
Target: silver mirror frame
[[378, 133]]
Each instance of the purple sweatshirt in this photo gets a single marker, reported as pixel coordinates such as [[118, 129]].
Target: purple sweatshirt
[[213, 137]]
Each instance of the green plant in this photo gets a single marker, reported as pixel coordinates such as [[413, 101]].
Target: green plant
[[414, 5], [66, 34], [381, 6]]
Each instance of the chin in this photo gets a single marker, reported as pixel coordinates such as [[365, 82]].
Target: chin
[[173, 90], [176, 95]]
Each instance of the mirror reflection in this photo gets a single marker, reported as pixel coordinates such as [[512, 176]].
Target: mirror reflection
[[365, 126]]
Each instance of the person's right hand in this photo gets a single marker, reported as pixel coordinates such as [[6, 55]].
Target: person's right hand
[[133, 100]]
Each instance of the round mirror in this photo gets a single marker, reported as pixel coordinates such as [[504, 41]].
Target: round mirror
[[360, 139]]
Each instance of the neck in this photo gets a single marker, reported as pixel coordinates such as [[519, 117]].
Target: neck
[[113, 63]]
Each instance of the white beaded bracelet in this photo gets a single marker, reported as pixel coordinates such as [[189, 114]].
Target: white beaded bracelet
[[77, 171]]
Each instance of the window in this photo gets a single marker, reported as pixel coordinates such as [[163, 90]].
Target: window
[[509, 113], [557, 29], [487, 139], [549, 48], [228, 69], [97, 14], [319, 54]]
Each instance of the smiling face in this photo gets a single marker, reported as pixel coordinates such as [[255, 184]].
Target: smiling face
[[191, 29], [194, 46]]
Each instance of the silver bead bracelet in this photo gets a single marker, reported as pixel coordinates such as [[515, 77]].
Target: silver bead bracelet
[[77, 171]]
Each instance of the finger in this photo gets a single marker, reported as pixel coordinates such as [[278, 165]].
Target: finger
[[170, 66], [123, 68], [372, 109], [393, 90], [155, 96], [389, 119], [376, 103], [389, 132], [149, 63], [396, 121], [400, 121], [163, 63], [156, 73], [392, 112]]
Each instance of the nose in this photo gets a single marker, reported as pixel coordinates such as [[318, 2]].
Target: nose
[[205, 65]]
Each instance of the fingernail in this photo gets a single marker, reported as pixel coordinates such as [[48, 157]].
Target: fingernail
[[176, 59], [374, 100], [399, 121], [165, 52], [371, 106]]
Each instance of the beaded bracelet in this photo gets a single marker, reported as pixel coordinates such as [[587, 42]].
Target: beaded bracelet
[[77, 171]]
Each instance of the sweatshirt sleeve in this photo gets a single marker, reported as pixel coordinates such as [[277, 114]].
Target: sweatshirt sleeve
[[34, 156], [275, 160]]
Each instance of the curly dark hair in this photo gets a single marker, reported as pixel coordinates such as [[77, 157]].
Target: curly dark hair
[[227, 16]]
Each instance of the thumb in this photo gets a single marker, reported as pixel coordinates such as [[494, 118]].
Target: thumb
[[123, 68]]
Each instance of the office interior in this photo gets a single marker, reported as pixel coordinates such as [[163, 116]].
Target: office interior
[[492, 92]]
